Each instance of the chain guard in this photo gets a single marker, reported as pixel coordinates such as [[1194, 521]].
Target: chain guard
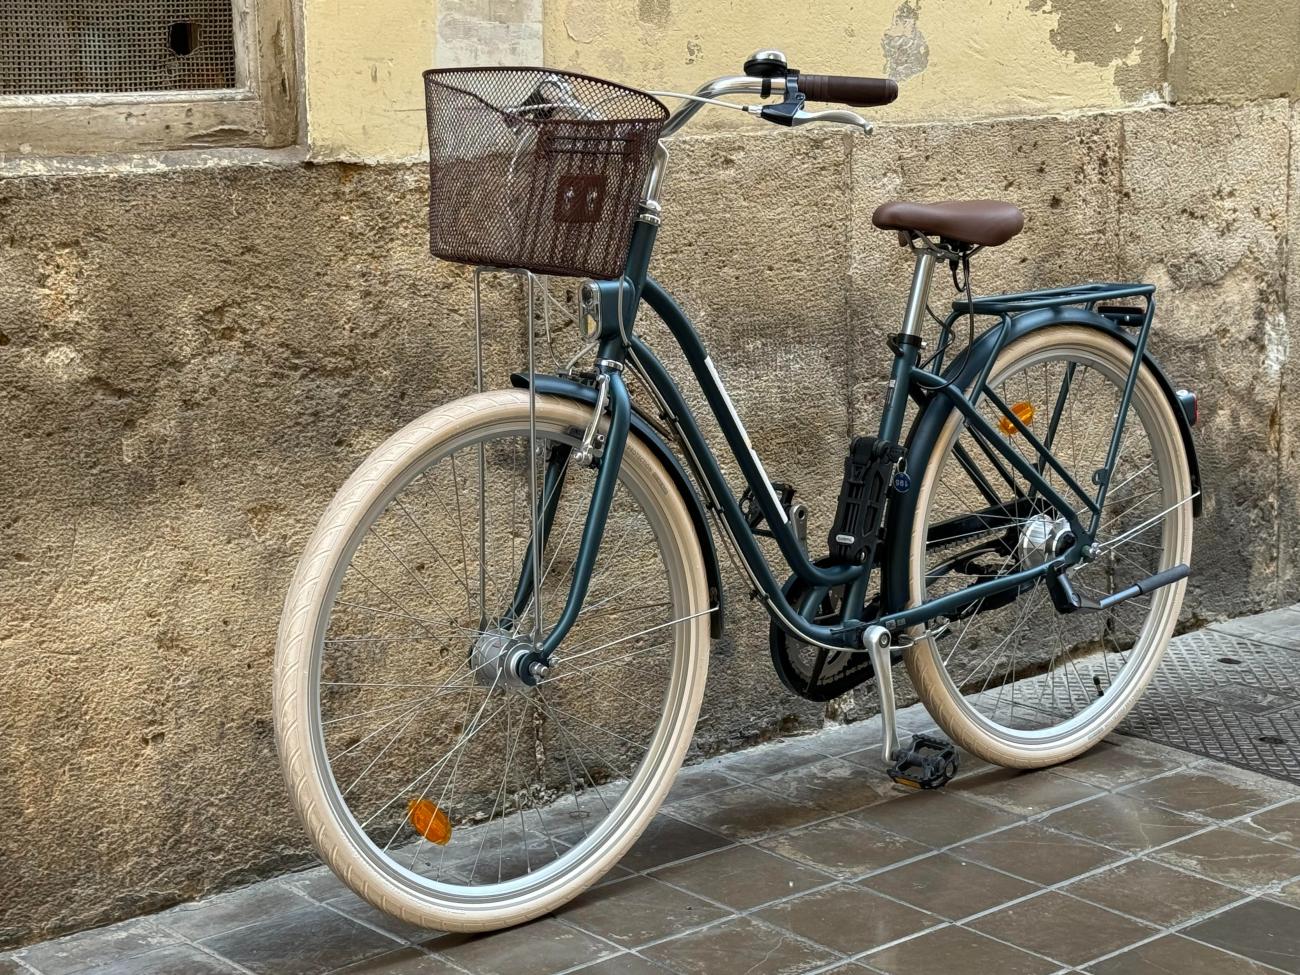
[[796, 661]]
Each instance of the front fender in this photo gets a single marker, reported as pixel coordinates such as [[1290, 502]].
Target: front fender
[[963, 372], [641, 427]]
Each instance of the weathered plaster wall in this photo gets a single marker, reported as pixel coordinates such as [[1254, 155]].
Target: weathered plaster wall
[[955, 60], [192, 360]]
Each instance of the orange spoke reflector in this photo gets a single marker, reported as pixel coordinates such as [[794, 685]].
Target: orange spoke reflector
[[1023, 411], [429, 821]]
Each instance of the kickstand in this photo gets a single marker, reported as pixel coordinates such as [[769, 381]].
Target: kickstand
[[930, 763]]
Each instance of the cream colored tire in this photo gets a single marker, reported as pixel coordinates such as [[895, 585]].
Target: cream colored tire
[[315, 795], [938, 689]]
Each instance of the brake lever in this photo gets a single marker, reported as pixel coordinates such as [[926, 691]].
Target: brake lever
[[785, 114]]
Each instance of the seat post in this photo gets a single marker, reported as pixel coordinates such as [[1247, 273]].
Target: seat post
[[914, 316]]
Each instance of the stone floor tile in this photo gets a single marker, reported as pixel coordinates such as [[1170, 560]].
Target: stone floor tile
[[952, 949], [538, 948], [936, 819], [366, 913], [850, 738], [178, 959], [740, 946], [742, 877], [98, 946], [847, 918], [1109, 766], [1233, 858], [1261, 929], [1280, 824], [833, 784], [774, 757], [949, 886], [1123, 822], [1211, 792], [625, 964], [1036, 853], [845, 847], [215, 915], [308, 941], [638, 910], [700, 780], [1023, 793], [318, 883], [11, 966], [1060, 927], [667, 840], [404, 961], [745, 812], [1281, 627], [1172, 954], [1288, 894], [1153, 892]]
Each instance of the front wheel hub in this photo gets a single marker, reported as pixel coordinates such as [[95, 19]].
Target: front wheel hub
[[504, 659]]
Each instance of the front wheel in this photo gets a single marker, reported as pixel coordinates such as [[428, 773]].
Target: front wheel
[[1011, 680], [439, 785]]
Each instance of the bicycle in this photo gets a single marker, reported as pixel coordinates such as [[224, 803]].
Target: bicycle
[[494, 649]]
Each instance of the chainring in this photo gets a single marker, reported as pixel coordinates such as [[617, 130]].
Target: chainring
[[796, 662]]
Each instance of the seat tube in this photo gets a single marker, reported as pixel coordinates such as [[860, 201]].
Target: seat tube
[[907, 347]]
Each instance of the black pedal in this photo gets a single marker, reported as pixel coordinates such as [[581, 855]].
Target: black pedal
[[753, 513], [929, 764], [868, 472]]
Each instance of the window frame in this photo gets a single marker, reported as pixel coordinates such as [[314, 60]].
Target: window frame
[[262, 111]]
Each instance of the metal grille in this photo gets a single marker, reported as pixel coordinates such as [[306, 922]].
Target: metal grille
[[536, 169], [1226, 698], [52, 47]]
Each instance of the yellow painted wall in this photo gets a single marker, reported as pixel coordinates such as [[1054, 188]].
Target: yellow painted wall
[[362, 61], [954, 59]]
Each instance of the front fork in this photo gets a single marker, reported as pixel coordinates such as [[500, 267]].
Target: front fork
[[534, 665]]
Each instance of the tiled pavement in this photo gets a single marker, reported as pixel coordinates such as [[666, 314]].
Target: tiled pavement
[[800, 857]]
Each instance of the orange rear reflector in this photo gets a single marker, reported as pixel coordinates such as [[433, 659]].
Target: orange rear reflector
[[429, 821], [1023, 411]]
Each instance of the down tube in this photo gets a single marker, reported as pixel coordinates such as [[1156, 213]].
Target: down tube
[[841, 635], [737, 440]]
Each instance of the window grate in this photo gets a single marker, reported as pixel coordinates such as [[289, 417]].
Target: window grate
[[52, 47]]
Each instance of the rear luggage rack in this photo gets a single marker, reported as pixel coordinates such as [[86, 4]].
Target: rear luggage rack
[[1087, 295]]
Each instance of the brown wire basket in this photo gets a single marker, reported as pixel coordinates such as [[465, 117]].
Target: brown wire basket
[[536, 169]]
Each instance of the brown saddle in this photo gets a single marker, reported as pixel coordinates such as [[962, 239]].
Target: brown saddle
[[986, 223]]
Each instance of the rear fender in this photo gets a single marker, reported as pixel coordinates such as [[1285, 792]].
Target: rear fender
[[573, 390]]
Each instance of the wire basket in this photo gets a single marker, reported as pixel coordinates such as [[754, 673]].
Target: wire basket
[[536, 169]]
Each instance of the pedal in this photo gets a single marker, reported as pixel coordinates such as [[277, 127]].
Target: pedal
[[930, 763]]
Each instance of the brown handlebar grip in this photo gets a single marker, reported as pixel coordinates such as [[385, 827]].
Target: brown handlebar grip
[[856, 92]]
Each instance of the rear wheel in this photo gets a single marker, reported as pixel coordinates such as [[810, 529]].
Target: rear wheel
[[1015, 682], [435, 782]]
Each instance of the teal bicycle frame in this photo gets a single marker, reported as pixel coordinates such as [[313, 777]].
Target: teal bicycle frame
[[619, 347]]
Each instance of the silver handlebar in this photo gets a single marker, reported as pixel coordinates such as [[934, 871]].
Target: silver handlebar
[[734, 85], [739, 85]]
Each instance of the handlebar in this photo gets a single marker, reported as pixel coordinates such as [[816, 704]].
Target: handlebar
[[856, 92], [767, 74], [738, 85]]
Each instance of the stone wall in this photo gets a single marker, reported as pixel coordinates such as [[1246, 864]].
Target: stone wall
[[192, 361]]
